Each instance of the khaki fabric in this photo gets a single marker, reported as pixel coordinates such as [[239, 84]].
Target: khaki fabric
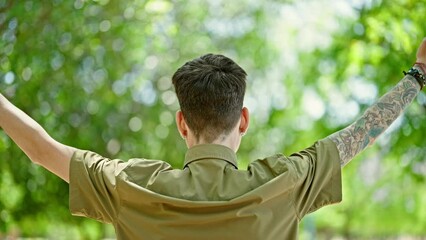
[[209, 198]]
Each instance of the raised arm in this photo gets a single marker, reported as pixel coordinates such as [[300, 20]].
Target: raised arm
[[377, 118], [34, 140]]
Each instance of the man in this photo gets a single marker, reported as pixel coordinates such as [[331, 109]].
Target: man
[[210, 198]]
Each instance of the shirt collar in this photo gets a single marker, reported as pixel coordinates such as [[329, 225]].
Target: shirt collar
[[210, 151]]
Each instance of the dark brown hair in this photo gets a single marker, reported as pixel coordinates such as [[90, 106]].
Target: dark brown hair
[[210, 90]]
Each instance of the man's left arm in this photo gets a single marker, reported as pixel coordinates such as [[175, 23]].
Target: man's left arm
[[377, 118]]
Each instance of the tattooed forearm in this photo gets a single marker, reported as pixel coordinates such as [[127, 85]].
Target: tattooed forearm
[[376, 119]]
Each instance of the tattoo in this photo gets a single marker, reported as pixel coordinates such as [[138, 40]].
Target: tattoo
[[363, 132]]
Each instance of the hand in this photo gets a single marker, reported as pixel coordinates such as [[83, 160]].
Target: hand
[[421, 52]]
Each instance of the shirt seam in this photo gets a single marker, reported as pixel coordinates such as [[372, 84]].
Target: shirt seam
[[228, 162]]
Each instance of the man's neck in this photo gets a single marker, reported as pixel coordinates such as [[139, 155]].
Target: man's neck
[[231, 141]]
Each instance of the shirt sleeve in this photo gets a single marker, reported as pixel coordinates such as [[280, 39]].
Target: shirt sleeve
[[319, 173], [93, 182]]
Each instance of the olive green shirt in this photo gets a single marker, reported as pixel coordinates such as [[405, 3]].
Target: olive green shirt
[[209, 198]]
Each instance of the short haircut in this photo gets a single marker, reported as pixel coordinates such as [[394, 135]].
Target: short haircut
[[210, 90]]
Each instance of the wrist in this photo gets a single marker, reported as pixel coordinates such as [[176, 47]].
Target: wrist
[[2, 99], [420, 66]]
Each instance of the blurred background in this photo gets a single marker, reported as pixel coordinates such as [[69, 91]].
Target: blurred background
[[97, 75]]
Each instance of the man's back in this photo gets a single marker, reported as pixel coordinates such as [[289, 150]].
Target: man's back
[[210, 198]]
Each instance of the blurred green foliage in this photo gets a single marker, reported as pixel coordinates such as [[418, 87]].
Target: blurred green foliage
[[96, 75]]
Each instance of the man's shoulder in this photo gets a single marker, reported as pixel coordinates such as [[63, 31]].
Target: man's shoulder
[[147, 165]]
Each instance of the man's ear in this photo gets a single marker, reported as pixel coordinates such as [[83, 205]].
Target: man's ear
[[181, 124], [244, 120]]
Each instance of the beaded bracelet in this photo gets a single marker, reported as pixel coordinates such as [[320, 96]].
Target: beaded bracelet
[[421, 79]]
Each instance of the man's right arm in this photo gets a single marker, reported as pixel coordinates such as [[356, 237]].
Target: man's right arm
[[377, 118], [41, 148]]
